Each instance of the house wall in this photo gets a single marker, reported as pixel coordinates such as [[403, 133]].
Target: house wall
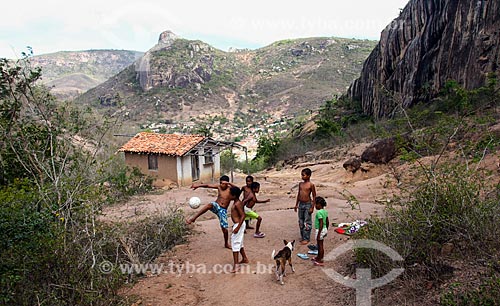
[[176, 169], [210, 172], [167, 168]]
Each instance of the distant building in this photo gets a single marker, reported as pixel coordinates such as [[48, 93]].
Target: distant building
[[182, 159]]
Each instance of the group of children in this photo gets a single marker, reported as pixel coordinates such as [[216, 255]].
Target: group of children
[[242, 212]]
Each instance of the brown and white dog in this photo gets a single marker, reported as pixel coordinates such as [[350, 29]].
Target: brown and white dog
[[281, 258]]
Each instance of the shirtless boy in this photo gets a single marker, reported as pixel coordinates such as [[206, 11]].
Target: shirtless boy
[[219, 206], [238, 233], [246, 191], [304, 205], [249, 203]]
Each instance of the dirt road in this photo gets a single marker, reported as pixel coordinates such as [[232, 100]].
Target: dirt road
[[197, 273]]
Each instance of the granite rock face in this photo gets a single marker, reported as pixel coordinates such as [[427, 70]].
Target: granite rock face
[[172, 73], [431, 42]]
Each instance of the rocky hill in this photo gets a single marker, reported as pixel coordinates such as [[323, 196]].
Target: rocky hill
[[71, 73], [429, 43], [180, 79]]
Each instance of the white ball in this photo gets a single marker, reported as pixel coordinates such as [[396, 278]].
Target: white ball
[[194, 202]]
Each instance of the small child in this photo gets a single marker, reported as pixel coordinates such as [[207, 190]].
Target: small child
[[238, 233], [304, 206], [246, 190], [249, 203], [321, 222]]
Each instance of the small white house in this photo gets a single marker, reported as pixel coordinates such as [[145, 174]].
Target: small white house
[[182, 159]]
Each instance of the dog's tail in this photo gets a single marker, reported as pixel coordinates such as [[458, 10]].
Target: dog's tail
[[272, 255]]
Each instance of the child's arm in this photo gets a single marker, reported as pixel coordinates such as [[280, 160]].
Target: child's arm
[[196, 186], [297, 201], [327, 222], [248, 198], [263, 201], [319, 229], [313, 191], [232, 185]]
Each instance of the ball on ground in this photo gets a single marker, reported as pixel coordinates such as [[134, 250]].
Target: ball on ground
[[194, 202]]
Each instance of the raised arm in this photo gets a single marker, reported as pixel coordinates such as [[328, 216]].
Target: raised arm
[[263, 201], [232, 185], [196, 186]]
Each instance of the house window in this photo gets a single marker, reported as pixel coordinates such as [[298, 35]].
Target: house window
[[153, 162], [209, 158]]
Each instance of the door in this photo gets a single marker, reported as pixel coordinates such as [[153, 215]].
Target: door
[[195, 166]]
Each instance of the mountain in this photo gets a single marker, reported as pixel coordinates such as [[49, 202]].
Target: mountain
[[71, 73], [180, 79], [431, 42]]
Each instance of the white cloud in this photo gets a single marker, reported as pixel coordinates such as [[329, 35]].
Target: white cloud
[[54, 25]]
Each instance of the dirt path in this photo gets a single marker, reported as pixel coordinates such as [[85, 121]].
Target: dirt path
[[197, 273]]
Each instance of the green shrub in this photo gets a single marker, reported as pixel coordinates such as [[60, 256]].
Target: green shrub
[[486, 294], [143, 241], [267, 148], [52, 173], [450, 204]]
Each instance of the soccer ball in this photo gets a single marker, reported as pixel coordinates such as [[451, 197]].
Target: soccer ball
[[194, 202]]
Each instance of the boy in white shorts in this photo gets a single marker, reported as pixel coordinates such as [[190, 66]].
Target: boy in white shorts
[[238, 233]]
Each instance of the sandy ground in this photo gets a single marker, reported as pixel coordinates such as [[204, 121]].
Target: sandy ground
[[197, 273]]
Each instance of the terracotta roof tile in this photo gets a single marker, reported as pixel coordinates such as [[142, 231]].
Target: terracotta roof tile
[[169, 144]]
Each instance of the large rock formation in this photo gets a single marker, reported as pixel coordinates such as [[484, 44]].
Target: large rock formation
[[174, 72], [432, 41]]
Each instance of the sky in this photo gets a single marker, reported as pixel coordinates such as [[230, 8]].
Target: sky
[[54, 25]]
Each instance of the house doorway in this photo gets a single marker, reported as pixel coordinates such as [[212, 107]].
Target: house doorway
[[195, 166]]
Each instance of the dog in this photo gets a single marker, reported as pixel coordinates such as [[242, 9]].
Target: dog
[[281, 258]]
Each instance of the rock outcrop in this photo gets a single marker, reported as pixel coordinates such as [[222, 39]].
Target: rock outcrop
[[380, 151], [194, 66], [352, 164], [431, 42]]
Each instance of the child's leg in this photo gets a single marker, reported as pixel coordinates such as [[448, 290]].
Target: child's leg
[[307, 223], [201, 212], [301, 221], [248, 224], [244, 258], [235, 262], [226, 237], [257, 228], [321, 251]]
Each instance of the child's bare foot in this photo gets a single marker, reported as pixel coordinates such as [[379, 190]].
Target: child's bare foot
[[244, 261], [227, 246], [235, 269], [304, 242], [189, 221], [259, 235]]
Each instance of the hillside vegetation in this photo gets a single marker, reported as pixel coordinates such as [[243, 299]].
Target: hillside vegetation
[[71, 73], [56, 173], [182, 80]]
